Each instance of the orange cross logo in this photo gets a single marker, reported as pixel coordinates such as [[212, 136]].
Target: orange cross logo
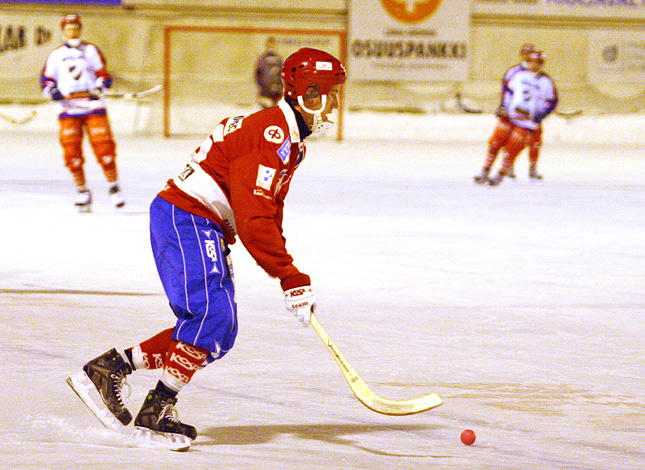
[[410, 11]]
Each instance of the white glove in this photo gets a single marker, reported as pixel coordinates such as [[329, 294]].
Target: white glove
[[96, 93], [300, 301], [52, 92], [99, 87]]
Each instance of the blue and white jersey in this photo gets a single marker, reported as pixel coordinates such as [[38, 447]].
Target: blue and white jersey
[[530, 98], [507, 77], [75, 72]]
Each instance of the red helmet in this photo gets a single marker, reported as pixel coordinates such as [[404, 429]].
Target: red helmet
[[527, 49], [307, 67], [71, 19]]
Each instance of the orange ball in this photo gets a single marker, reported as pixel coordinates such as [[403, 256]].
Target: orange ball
[[468, 437]]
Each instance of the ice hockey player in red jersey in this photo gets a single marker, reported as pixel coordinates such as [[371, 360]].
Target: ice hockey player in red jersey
[[529, 97], [233, 187], [75, 77]]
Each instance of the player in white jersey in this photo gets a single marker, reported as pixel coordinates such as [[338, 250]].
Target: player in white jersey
[[530, 97], [525, 52], [75, 77], [494, 146]]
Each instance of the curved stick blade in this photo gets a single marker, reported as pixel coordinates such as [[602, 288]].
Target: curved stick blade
[[366, 396]]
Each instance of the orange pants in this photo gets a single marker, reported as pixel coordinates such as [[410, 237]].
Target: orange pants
[[513, 139], [534, 146], [101, 140]]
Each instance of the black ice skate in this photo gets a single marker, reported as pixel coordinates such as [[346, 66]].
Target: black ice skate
[[158, 415], [495, 180], [511, 172], [534, 175], [482, 177], [100, 385]]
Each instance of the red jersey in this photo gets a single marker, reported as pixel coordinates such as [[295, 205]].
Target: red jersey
[[239, 177]]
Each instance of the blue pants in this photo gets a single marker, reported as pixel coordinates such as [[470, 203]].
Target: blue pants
[[197, 276]]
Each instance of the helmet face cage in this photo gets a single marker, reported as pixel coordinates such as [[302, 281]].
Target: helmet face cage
[[537, 56], [70, 19], [311, 70]]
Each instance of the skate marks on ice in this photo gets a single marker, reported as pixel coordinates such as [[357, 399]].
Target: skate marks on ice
[[58, 430], [77, 292], [369, 439], [340, 434], [579, 420], [542, 399], [50, 195]]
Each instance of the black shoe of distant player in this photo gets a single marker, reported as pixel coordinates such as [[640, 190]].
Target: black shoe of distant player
[[107, 372], [495, 180], [482, 177], [83, 201], [158, 414], [116, 196], [534, 175]]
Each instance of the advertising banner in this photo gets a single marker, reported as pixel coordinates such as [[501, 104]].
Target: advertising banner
[[25, 42], [616, 56], [577, 9], [68, 2], [408, 40]]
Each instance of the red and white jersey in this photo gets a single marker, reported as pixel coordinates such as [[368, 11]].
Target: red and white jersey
[[75, 72], [513, 70], [531, 97], [239, 177], [507, 77]]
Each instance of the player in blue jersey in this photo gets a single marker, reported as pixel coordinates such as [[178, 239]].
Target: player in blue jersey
[[267, 75]]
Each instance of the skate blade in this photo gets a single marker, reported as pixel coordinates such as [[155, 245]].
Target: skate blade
[[149, 439], [87, 392], [84, 209]]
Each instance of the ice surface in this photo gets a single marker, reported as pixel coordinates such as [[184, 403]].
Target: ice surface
[[523, 305]]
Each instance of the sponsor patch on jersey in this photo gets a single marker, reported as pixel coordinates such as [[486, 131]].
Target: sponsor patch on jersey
[[265, 177], [285, 150], [274, 134], [233, 124], [320, 65], [278, 185], [186, 173]]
